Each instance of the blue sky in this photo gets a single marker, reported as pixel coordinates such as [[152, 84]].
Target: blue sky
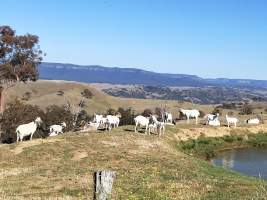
[[209, 38]]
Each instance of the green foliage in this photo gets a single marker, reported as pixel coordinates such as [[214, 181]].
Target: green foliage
[[16, 114], [258, 140], [206, 147], [232, 138], [19, 55], [56, 115]]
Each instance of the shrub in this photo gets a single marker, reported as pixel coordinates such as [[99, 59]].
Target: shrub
[[56, 115], [111, 111], [147, 112], [127, 116], [26, 96], [216, 110], [228, 106], [83, 117], [60, 93], [159, 112], [87, 93], [16, 114], [246, 109]]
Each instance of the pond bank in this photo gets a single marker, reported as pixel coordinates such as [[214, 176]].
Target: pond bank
[[194, 132], [208, 147]]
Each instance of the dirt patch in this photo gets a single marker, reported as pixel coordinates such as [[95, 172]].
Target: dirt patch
[[78, 155]]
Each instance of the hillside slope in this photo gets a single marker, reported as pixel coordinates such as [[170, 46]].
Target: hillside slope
[[44, 93], [147, 167]]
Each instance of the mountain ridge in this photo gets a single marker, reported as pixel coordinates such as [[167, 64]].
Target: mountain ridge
[[116, 75]]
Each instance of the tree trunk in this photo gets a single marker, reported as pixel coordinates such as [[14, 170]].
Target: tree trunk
[[103, 181], [2, 100]]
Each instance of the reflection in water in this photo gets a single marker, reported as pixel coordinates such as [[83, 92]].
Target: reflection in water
[[228, 160], [252, 162]]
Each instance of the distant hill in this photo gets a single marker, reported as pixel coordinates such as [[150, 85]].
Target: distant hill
[[115, 75], [44, 93]]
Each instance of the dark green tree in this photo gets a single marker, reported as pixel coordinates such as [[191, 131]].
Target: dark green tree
[[19, 57]]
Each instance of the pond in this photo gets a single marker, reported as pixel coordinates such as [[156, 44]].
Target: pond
[[251, 162]]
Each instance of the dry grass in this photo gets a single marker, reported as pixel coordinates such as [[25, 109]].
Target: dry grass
[[147, 167], [44, 93]]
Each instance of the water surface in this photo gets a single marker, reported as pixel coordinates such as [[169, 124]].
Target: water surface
[[251, 162]]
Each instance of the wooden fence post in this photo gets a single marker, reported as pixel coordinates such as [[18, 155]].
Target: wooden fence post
[[103, 181]]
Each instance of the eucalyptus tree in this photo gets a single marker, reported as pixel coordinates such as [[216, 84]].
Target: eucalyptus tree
[[19, 59]]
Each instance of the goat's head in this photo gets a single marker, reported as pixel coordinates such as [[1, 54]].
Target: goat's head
[[118, 115], [38, 121], [63, 124]]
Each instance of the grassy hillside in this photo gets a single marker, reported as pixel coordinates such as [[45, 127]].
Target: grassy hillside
[[44, 93], [147, 167]]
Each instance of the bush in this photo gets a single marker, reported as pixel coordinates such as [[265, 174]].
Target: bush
[[127, 116], [83, 117], [147, 112], [56, 115], [60, 93], [87, 93], [228, 106], [111, 111], [26, 96], [16, 114], [159, 112], [216, 110], [246, 109]]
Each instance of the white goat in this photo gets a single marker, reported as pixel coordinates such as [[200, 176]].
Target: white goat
[[211, 117], [214, 122], [142, 122], [27, 129], [113, 120], [191, 113], [91, 126], [254, 121], [56, 129], [231, 120], [104, 123], [157, 126], [97, 118], [167, 117]]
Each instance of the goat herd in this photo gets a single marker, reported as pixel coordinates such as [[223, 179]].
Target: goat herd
[[151, 123]]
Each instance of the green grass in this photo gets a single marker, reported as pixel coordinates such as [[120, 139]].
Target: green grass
[[207, 147]]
